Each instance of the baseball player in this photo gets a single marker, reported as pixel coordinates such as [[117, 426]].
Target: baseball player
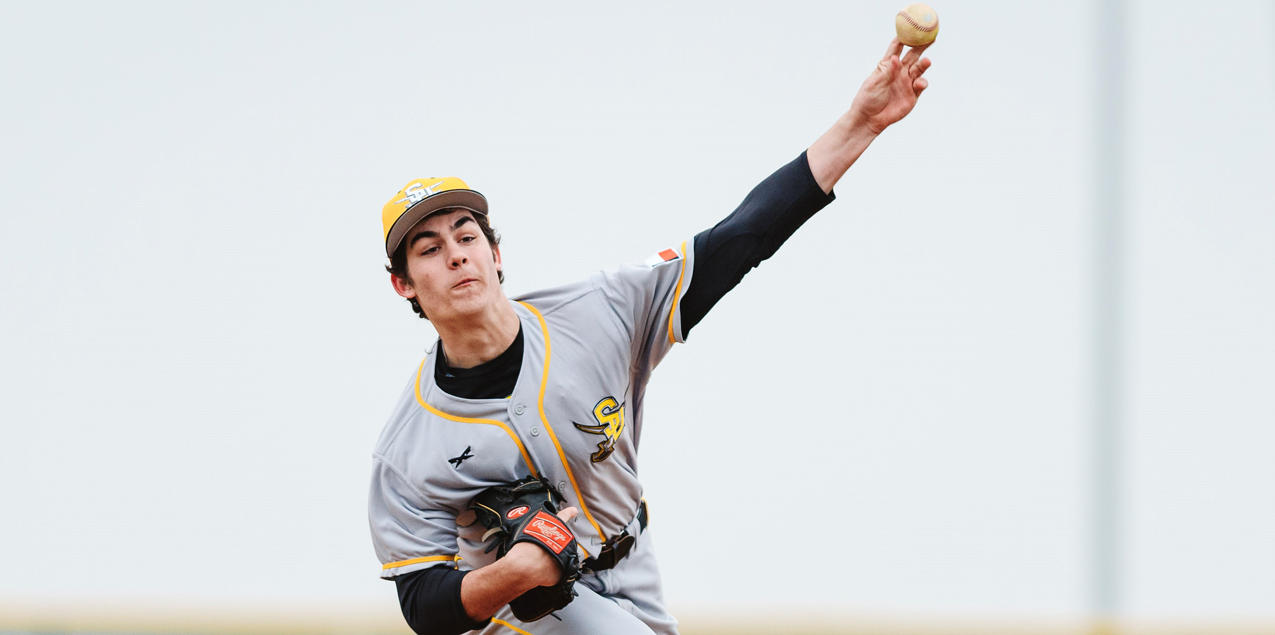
[[505, 494]]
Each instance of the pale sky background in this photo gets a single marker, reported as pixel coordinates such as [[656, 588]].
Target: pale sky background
[[198, 345]]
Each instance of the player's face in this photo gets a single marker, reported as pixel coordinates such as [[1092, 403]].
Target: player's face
[[454, 271]]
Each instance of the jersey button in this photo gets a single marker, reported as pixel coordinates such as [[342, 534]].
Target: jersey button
[[518, 409], [535, 432], [562, 486]]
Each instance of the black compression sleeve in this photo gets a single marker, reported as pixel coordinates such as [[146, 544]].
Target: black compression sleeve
[[751, 234], [431, 603]]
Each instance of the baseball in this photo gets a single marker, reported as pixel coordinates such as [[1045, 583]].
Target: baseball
[[917, 24]]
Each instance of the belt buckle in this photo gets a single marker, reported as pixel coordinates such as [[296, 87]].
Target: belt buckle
[[618, 546], [613, 550]]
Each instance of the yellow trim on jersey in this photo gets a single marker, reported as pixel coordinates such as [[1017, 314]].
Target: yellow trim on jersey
[[404, 563], [544, 381], [509, 626], [492, 422], [676, 294]]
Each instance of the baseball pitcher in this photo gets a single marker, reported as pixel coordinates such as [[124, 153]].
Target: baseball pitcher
[[504, 495]]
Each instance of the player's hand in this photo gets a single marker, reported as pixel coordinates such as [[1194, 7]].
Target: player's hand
[[538, 567], [892, 89]]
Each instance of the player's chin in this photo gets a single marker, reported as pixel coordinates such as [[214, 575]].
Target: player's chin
[[472, 297], [468, 288]]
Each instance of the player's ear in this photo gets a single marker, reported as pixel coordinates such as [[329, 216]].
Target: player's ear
[[495, 254], [402, 286]]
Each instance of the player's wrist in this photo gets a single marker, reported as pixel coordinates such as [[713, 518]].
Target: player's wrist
[[533, 567], [484, 591], [832, 154], [857, 128]]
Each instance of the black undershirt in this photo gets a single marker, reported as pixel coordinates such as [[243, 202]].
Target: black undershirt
[[430, 598], [430, 601], [492, 379]]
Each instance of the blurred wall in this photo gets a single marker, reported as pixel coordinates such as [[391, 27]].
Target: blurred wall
[[200, 347]]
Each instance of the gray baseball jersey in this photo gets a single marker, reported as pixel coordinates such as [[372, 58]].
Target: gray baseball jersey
[[575, 418]]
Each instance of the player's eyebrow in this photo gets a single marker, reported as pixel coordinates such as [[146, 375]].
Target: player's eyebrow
[[422, 234], [433, 234]]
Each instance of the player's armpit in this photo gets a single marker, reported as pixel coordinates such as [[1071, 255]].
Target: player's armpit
[[643, 300], [406, 535], [769, 215]]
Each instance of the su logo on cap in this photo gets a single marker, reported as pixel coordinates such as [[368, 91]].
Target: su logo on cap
[[417, 191], [422, 197]]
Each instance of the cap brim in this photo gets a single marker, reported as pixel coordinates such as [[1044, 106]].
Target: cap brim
[[464, 199]]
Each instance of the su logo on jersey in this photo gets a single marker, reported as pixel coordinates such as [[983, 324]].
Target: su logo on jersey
[[610, 417]]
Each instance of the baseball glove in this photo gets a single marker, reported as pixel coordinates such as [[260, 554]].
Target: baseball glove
[[525, 511]]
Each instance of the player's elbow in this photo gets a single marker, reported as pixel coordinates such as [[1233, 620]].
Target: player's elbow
[[431, 603]]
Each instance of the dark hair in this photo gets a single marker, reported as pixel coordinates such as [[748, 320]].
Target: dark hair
[[398, 262]]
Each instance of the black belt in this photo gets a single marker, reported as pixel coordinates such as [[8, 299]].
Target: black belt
[[618, 546]]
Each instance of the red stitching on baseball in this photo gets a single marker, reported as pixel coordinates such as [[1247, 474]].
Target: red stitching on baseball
[[916, 26]]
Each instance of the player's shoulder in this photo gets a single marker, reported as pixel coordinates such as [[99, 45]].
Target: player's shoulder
[[639, 282], [660, 264], [554, 299], [405, 413]]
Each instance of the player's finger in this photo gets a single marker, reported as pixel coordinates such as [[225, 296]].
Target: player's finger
[[884, 72], [914, 54], [887, 70], [920, 67], [894, 49], [568, 513], [920, 85]]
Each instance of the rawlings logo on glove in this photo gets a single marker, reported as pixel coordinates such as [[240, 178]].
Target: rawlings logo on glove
[[525, 512], [550, 531]]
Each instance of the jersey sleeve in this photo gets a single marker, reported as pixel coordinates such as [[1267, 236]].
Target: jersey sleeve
[[407, 535], [770, 214], [645, 297]]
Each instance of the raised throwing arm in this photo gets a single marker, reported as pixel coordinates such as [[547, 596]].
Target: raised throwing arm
[[887, 96]]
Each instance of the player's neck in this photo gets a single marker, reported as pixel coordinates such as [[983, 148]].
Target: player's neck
[[479, 338]]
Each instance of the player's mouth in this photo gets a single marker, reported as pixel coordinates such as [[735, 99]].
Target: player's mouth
[[465, 283]]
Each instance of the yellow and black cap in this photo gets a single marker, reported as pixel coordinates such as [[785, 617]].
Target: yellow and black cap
[[422, 197]]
